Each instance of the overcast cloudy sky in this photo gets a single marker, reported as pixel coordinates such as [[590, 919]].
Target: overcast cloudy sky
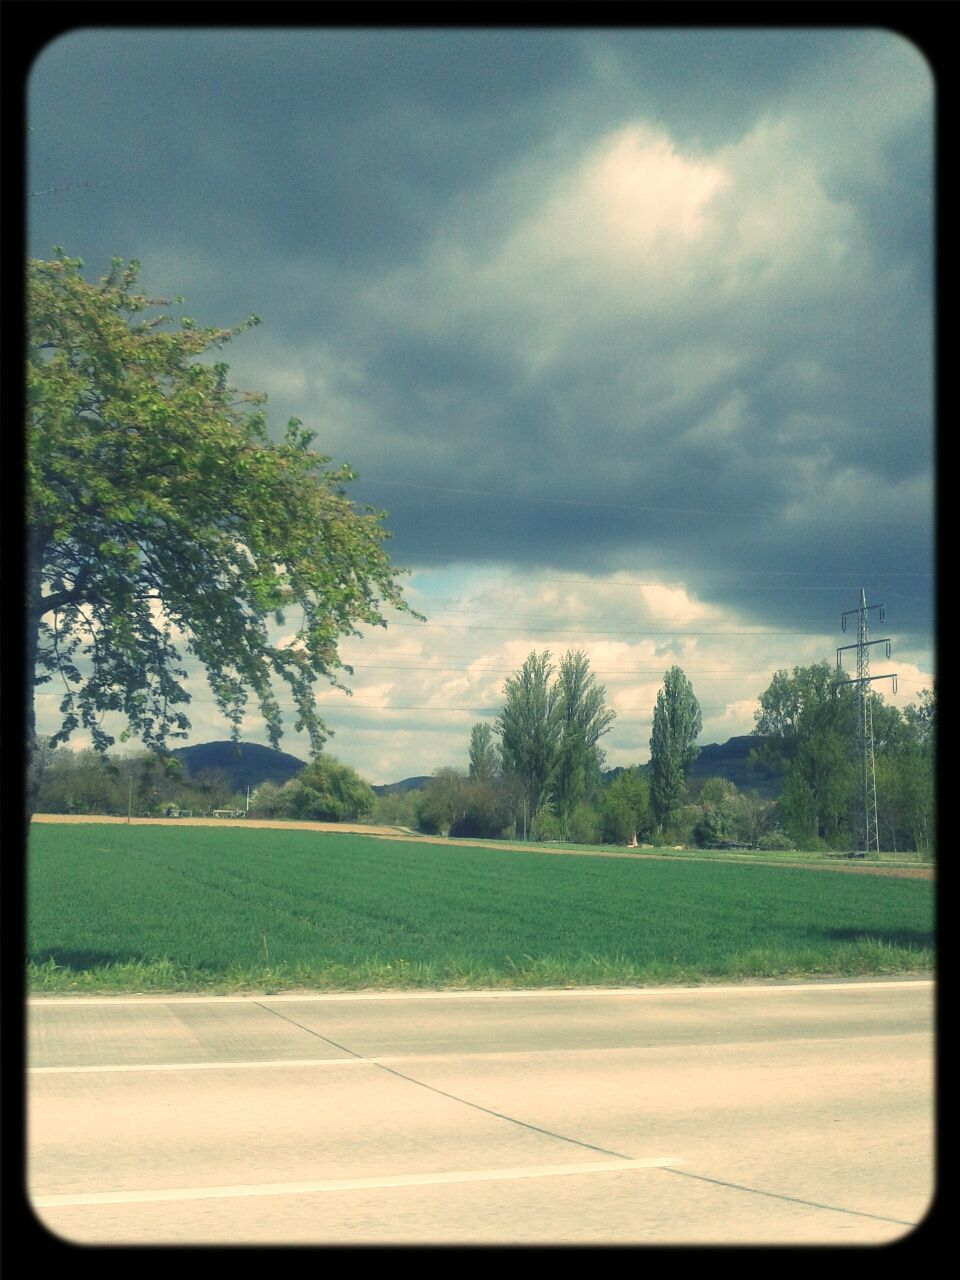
[[630, 331]]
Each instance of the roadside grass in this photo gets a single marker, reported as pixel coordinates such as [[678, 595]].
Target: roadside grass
[[155, 909]]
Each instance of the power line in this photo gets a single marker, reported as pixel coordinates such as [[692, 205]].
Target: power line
[[637, 506], [858, 573], [600, 631], [600, 671], [548, 620]]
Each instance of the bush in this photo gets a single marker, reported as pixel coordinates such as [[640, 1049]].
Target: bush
[[336, 792], [775, 840], [619, 821], [431, 814], [547, 826], [626, 808], [584, 825], [395, 809]]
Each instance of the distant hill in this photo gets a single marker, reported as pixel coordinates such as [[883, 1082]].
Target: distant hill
[[716, 760], [246, 764], [408, 784], [730, 760]]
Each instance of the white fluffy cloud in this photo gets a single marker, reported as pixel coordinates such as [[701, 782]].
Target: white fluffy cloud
[[444, 676], [418, 689], [641, 229]]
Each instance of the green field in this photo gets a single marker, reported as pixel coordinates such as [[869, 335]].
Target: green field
[[137, 908]]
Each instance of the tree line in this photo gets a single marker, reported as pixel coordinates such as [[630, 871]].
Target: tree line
[[153, 785], [537, 773]]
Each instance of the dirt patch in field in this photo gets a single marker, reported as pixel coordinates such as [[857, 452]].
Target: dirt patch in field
[[401, 833], [905, 873]]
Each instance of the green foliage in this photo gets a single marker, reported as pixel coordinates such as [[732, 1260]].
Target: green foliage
[[798, 808], [584, 826], [584, 718], [549, 733], [443, 801], [158, 508], [677, 723], [144, 783], [546, 825], [325, 791], [626, 812], [617, 822], [484, 759], [717, 801], [476, 807], [529, 728], [81, 782], [807, 723], [343, 794], [775, 840], [265, 801], [905, 776], [395, 809], [487, 812], [727, 815]]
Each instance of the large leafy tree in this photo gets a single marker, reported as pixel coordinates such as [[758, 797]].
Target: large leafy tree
[[806, 722], [444, 801], [162, 519], [677, 722], [338, 793], [905, 772]]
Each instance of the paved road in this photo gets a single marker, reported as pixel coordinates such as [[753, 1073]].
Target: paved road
[[793, 1114]]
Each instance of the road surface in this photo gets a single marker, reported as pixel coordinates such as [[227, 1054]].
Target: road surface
[[715, 1115]]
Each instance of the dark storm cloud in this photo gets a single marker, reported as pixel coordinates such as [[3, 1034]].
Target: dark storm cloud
[[346, 144], [413, 215]]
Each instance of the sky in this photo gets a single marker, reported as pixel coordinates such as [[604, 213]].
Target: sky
[[630, 331]]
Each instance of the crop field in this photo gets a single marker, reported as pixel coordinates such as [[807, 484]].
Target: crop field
[[180, 908]]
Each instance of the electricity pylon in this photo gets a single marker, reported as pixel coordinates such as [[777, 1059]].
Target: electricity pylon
[[865, 822]]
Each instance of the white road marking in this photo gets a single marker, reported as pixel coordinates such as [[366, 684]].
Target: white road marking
[[207, 1066], [81, 1001], [347, 1184], [393, 1059]]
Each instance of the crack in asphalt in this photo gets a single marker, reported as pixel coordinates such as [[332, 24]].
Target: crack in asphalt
[[523, 1124], [778, 1195], [578, 1142]]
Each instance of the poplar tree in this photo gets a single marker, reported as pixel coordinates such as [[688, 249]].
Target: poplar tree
[[529, 729], [677, 723], [585, 718], [483, 753]]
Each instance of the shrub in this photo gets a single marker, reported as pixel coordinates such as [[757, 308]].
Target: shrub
[[775, 840], [584, 825], [547, 826]]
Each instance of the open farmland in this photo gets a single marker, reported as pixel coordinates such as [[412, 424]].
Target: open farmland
[[114, 907]]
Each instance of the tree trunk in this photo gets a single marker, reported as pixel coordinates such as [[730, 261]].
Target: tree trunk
[[32, 778], [36, 542]]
